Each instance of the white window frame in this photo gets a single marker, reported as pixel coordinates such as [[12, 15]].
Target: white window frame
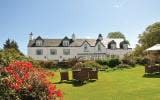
[[41, 50], [65, 43], [38, 42], [66, 51], [125, 46], [113, 46], [53, 50]]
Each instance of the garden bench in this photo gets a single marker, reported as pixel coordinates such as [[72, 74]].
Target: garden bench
[[152, 69]]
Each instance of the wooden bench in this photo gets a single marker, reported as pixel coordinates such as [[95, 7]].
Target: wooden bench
[[152, 69]]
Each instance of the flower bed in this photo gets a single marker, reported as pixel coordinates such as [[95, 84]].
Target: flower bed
[[22, 81]]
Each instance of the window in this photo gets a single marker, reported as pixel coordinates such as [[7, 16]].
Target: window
[[39, 52], [66, 51], [39, 43], [99, 47], [125, 46], [53, 52], [66, 43], [85, 48], [113, 46]]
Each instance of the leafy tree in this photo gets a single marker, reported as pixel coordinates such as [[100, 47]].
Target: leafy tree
[[116, 35], [148, 38]]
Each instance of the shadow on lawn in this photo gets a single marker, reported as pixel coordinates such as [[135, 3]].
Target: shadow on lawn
[[75, 83], [154, 75]]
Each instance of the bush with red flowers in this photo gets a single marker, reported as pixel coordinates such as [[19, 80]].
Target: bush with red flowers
[[20, 80]]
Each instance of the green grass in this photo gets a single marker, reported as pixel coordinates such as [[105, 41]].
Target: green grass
[[127, 84]]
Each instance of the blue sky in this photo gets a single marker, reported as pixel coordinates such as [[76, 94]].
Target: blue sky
[[86, 18]]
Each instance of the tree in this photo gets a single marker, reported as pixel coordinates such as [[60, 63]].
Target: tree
[[116, 35], [10, 45], [148, 38]]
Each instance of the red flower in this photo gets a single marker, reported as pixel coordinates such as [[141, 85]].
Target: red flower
[[59, 93], [51, 89], [23, 74]]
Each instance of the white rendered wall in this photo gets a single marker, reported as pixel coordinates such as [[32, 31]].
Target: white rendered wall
[[74, 51]]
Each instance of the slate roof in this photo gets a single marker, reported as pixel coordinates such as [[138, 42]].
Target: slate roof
[[58, 42]]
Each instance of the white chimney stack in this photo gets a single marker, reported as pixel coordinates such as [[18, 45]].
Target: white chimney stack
[[73, 37], [31, 36]]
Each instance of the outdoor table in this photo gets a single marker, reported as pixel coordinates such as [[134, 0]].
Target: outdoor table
[[85, 74]]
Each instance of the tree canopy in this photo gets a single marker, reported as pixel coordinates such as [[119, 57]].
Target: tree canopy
[[10, 44], [116, 35], [148, 38]]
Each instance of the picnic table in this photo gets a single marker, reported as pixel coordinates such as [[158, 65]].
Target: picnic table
[[83, 74]]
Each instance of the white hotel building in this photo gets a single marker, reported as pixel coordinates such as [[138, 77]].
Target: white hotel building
[[69, 48]]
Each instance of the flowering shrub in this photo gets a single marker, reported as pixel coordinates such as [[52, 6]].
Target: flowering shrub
[[23, 81], [47, 64]]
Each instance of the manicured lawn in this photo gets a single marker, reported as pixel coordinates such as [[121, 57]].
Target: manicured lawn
[[127, 84]]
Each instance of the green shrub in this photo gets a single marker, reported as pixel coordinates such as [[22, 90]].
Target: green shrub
[[129, 60], [9, 55], [102, 62], [92, 64], [123, 66], [113, 62], [47, 64], [142, 60]]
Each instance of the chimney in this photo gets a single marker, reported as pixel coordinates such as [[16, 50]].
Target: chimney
[[31, 36], [100, 37], [73, 37]]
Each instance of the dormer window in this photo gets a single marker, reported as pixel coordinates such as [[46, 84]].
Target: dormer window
[[39, 43], [66, 43], [124, 44], [112, 45]]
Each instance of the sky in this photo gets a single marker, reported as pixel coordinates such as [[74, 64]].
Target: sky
[[85, 18]]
